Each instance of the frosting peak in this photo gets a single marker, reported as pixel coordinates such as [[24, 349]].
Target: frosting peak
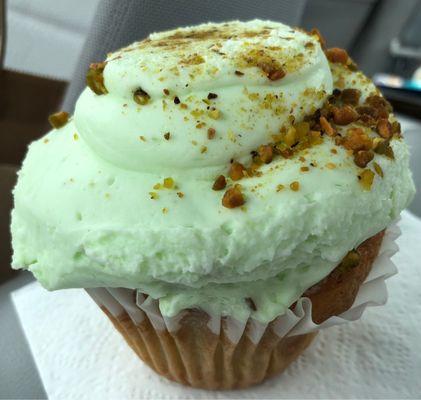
[[244, 81]]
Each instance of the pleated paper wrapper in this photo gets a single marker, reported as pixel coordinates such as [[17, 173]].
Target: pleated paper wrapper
[[215, 352]]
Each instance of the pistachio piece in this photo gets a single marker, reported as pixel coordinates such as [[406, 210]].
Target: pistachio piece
[[141, 97], [58, 119], [220, 183], [366, 179], [351, 96], [378, 169], [168, 183], [363, 157], [266, 153], [294, 186], [237, 171], [233, 197], [95, 78], [384, 128], [337, 55], [383, 147]]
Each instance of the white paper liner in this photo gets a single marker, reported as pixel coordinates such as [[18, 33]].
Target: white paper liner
[[297, 321]]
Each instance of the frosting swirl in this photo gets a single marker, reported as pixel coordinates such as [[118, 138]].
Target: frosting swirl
[[121, 196], [177, 70]]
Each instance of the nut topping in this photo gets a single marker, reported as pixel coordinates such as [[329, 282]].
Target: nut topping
[[58, 119], [233, 197], [384, 128], [214, 114], [168, 183], [344, 115], [366, 179], [95, 78], [265, 153], [220, 183], [211, 133], [294, 186], [378, 169], [141, 97], [326, 127], [237, 171], [351, 96], [321, 39], [276, 74], [383, 147], [357, 139], [363, 157], [337, 55]]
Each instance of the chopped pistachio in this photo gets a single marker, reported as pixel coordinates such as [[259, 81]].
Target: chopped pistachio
[[233, 197], [168, 183], [344, 115], [302, 129], [366, 179], [220, 183], [363, 157], [58, 119], [214, 114], [265, 153], [326, 126], [385, 149], [141, 97], [295, 186], [237, 171], [290, 137], [95, 78], [384, 128], [378, 169], [276, 74], [211, 133], [337, 55]]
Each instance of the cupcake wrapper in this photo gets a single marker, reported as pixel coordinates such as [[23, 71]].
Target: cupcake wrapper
[[210, 351]]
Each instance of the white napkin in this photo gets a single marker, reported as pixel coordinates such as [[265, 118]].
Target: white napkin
[[80, 355]]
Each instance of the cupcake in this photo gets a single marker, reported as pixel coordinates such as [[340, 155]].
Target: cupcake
[[211, 178]]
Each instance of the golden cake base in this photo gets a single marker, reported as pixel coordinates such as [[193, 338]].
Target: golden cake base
[[196, 357]]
